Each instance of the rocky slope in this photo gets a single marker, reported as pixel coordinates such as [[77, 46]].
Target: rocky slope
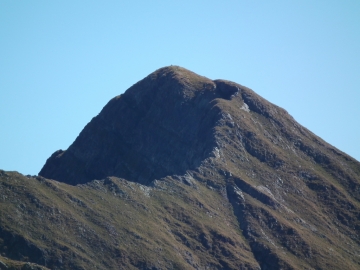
[[183, 172]]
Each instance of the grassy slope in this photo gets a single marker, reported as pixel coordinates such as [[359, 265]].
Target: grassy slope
[[168, 226], [315, 220], [6, 263]]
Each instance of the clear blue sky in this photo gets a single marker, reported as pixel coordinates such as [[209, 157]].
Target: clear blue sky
[[62, 61]]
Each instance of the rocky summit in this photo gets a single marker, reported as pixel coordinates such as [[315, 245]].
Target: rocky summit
[[185, 172]]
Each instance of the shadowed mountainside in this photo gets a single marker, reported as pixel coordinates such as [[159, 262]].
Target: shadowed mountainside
[[161, 126], [183, 172]]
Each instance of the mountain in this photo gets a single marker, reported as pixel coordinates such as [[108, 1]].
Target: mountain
[[184, 172]]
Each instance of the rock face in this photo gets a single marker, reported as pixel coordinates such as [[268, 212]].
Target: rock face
[[191, 173], [161, 126]]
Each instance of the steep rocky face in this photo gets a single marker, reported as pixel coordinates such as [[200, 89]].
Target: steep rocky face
[[194, 174], [161, 126]]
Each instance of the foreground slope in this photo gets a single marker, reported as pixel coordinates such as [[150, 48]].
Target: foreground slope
[[114, 223], [191, 173]]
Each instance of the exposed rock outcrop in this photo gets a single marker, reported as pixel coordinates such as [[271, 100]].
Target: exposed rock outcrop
[[161, 126]]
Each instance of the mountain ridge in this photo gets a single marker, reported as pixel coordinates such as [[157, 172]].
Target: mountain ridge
[[184, 172]]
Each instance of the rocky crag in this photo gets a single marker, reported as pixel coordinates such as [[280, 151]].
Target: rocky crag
[[184, 172]]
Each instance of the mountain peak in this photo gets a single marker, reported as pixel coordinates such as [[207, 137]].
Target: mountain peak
[[133, 136], [184, 172], [162, 125], [170, 122], [178, 73]]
